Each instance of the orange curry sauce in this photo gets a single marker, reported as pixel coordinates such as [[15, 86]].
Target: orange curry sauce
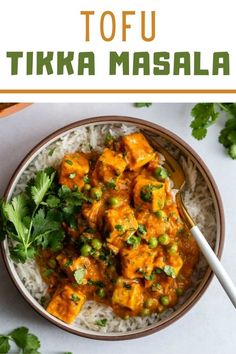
[[130, 249]]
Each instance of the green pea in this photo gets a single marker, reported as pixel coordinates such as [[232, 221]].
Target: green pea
[[148, 303], [87, 187], [153, 242], [160, 214], [85, 250], [160, 173], [96, 244], [164, 300], [96, 193], [164, 239], [101, 292], [173, 249], [126, 317], [145, 312], [113, 201], [179, 291]]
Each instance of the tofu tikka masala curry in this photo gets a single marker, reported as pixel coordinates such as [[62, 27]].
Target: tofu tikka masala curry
[[128, 248]]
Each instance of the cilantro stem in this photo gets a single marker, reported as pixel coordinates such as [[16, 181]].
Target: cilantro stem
[[39, 236], [30, 227], [222, 107]]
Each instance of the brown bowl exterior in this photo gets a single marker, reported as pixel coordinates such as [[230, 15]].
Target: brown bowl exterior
[[214, 191]]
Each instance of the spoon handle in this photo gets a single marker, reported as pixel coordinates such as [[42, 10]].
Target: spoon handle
[[215, 264]]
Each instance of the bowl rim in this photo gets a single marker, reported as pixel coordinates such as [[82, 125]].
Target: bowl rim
[[201, 164]]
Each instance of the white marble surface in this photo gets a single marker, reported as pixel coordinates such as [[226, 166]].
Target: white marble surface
[[210, 326]]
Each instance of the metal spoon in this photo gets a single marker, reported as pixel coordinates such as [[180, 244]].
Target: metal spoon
[[178, 178]]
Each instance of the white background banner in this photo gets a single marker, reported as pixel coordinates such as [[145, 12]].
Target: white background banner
[[57, 25]]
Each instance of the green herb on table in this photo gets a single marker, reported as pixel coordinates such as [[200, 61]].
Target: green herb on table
[[27, 342], [142, 104], [206, 114]]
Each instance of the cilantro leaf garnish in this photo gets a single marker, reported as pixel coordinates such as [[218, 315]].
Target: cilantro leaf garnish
[[52, 201], [75, 298], [86, 179], [51, 151], [79, 275], [141, 230], [119, 227], [111, 184], [41, 186], [134, 241], [97, 283], [102, 322], [170, 271]]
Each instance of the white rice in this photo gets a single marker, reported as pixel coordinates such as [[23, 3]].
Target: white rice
[[197, 198]]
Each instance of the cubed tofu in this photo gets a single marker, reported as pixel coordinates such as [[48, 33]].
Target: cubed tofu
[[154, 163], [149, 194], [109, 166], [70, 265], [188, 246], [121, 224], [176, 262], [139, 152], [128, 294], [154, 226], [137, 262], [175, 222], [93, 213], [66, 303], [73, 169]]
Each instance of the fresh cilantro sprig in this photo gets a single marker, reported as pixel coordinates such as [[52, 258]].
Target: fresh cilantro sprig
[[34, 219], [206, 114], [27, 222], [27, 342]]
